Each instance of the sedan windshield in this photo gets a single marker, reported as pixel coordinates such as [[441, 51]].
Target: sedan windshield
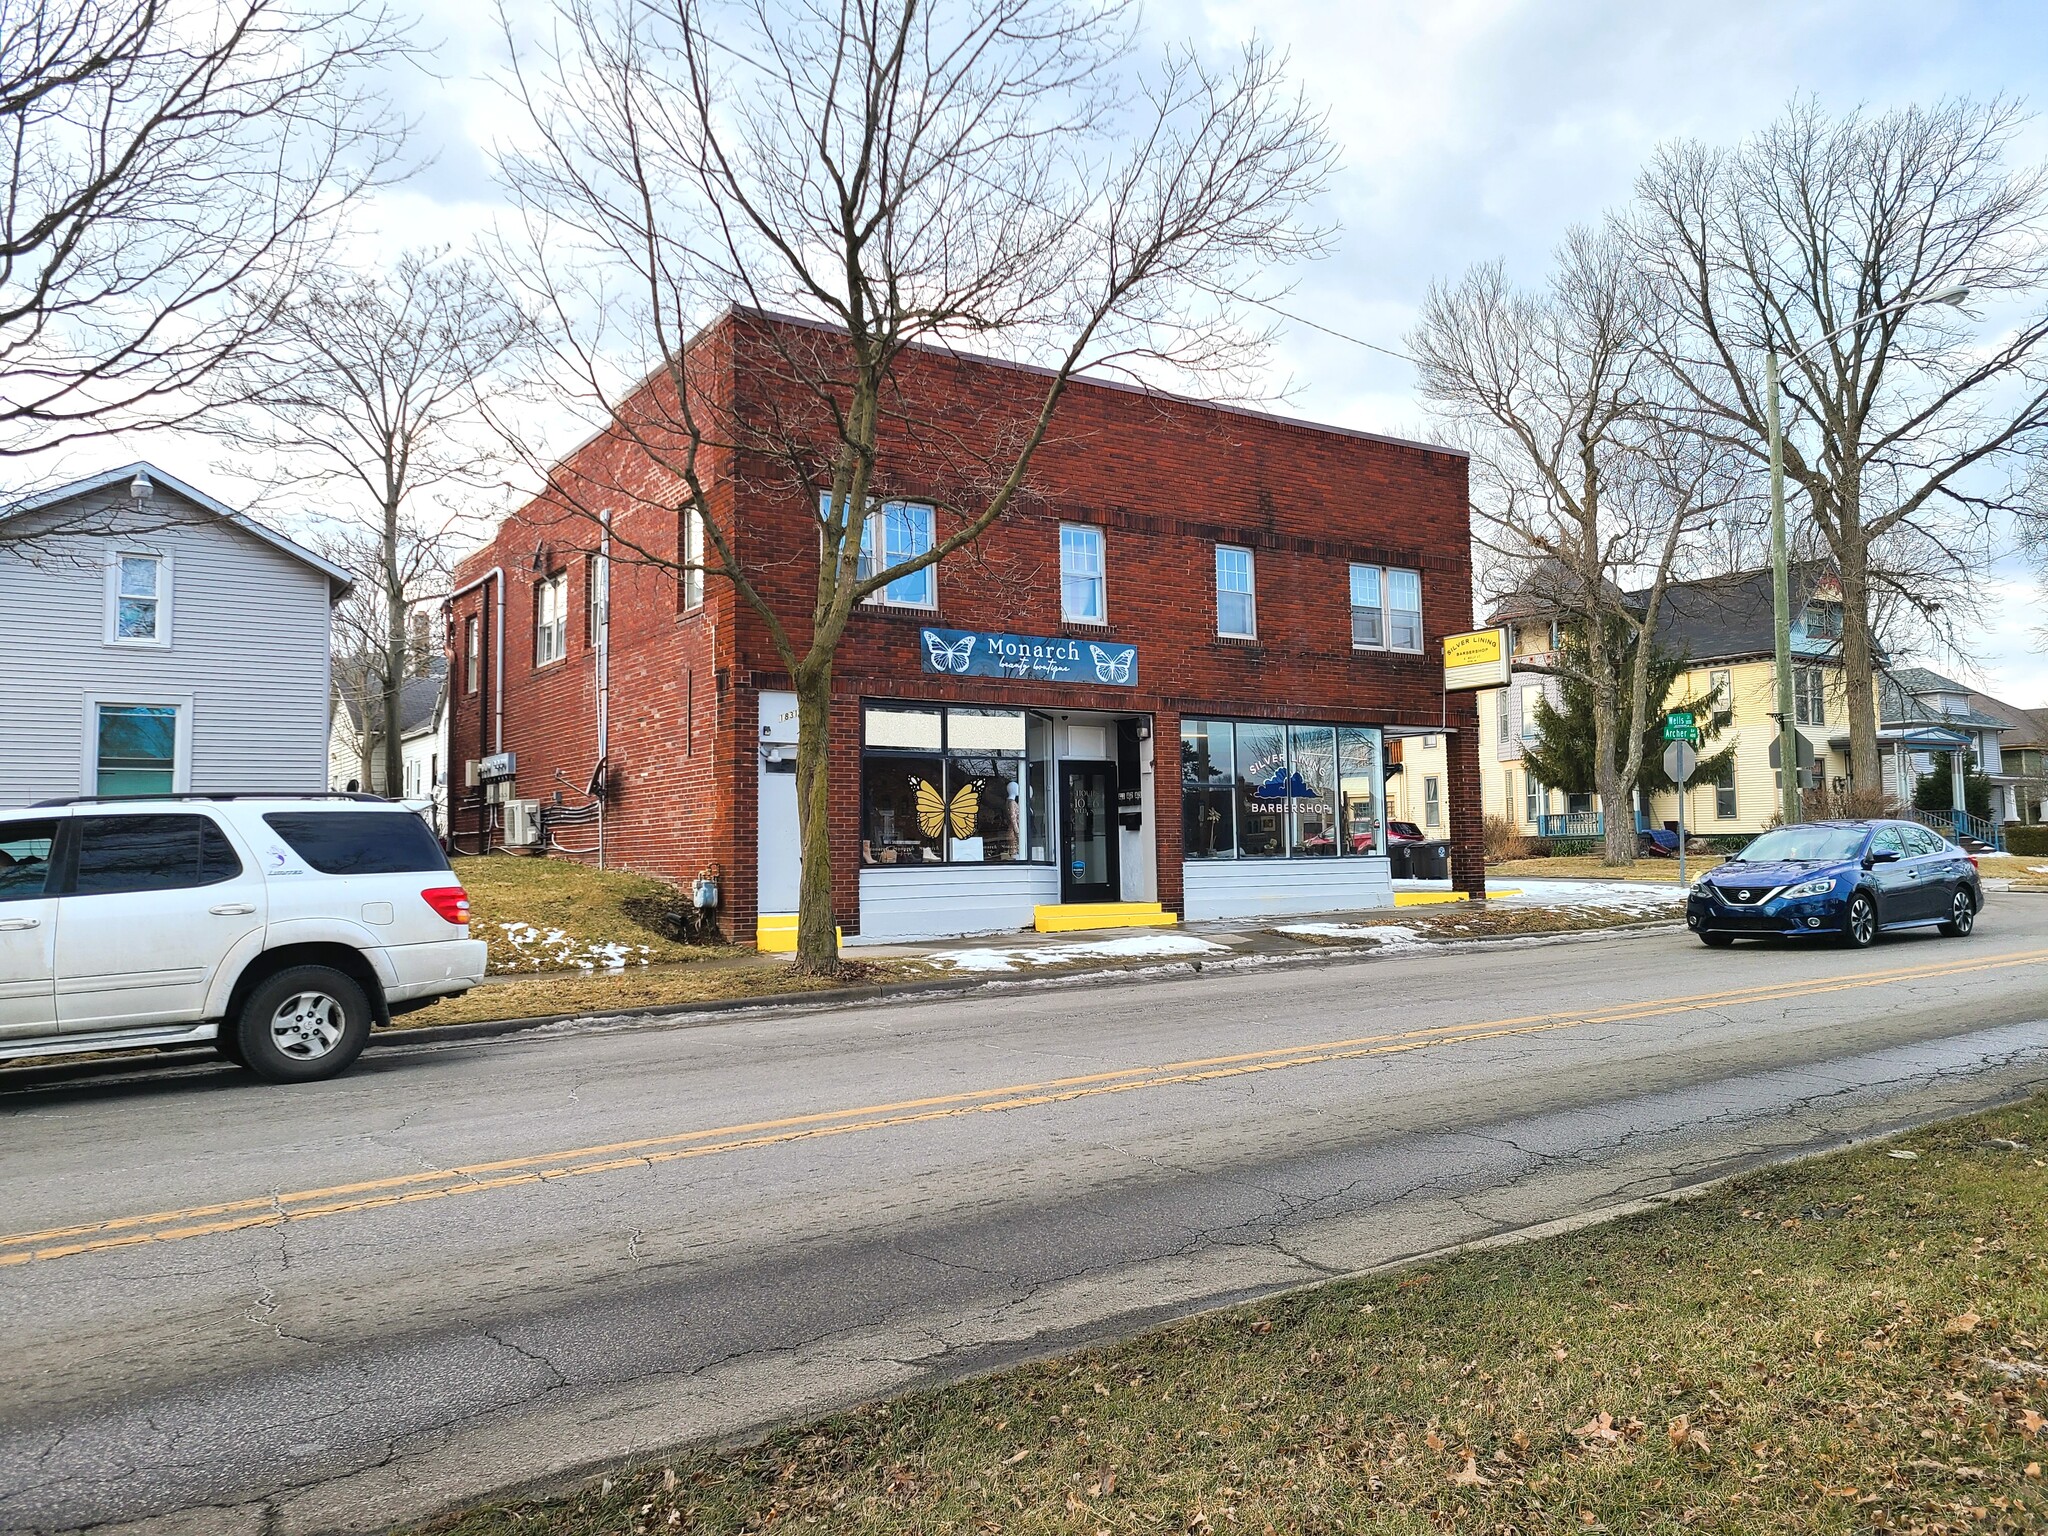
[[1805, 845]]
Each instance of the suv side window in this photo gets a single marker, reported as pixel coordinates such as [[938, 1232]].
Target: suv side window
[[360, 842], [25, 857], [151, 853]]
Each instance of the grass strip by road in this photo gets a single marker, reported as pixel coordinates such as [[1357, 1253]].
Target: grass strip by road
[[1856, 1343], [278, 1207]]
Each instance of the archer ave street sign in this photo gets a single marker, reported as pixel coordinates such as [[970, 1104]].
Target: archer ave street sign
[[1678, 726], [1679, 761]]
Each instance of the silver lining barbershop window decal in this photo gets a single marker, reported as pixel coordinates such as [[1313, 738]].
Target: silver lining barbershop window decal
[[1034, 658]]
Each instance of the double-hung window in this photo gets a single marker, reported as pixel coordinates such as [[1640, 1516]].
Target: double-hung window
[[136, 601], [1432, 801], [891, 534], [1535, 799], [1723, 691], [1404, 610], [1724, 793], [693, 558], [1368, 608], [135, 749], [1809, 702], [1386, 608], [1236, 605], [550, 618], [1083, 599], [472, 653]]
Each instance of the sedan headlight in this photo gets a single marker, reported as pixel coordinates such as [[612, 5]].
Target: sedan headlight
[[1822, 887]]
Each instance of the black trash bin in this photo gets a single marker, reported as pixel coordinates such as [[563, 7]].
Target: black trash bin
[[1398, 861], [1429, 861]]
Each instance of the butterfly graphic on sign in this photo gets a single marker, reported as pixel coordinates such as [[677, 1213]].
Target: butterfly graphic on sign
[[1112, 667], [955, 656], [934, 813]]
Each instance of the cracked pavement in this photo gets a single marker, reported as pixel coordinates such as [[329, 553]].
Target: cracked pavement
[[341, 1371]]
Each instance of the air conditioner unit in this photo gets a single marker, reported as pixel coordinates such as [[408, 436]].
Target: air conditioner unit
[[522, 823]]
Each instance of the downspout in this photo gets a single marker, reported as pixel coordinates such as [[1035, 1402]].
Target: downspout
[[483, 816], [604, 668]]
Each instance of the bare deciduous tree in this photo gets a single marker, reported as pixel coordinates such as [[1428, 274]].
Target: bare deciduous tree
[[911, 175], [170, 170], [373, 387], [1583, 496], [1904, 432]]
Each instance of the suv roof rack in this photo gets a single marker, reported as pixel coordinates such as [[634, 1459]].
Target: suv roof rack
[[232, 794]]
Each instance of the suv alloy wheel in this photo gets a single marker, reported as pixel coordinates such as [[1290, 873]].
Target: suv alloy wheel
[[303, 1024]]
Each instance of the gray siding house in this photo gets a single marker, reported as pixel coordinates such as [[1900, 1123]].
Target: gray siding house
[[158, 642]]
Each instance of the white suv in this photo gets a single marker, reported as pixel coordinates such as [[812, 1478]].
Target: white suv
[[281, 928]]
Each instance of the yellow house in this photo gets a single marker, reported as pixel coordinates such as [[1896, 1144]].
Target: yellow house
[[1723, 626], [1417, 791]]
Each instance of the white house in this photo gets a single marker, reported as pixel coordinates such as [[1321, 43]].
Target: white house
[[422, 743], [158, 642]]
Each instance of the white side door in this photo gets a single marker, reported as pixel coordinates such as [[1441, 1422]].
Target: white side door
[[155, 902], [28, 927]]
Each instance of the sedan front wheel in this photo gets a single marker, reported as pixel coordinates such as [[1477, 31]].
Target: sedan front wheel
[[1860, 927]]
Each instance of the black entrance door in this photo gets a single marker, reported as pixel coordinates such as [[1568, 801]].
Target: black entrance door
[[1088, 832]]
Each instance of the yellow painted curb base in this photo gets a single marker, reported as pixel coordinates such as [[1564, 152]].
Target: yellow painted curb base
[[1078, 916], [775, 933]]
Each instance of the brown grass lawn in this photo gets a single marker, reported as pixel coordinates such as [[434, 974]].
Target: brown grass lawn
[[1854, 1344], [563, 912], [1590, 868]]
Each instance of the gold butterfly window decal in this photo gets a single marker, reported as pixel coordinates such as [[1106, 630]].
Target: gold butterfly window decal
[[933, 813]]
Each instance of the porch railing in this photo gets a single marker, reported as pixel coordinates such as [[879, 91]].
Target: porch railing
[[1961, 824], [1569, 824]]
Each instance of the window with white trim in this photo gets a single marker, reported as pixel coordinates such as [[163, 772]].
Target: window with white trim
[[1404, 610], [1535, 799], [1368, 608], [693, 558], [136, 600], [472, 653], [900, 531], [135, 749], [1083, 595], [1432, 801], [1809, 699], [550, 618], [1724, 792], [1236, 604]]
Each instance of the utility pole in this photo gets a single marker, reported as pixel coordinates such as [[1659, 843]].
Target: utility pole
[[1781, 606]]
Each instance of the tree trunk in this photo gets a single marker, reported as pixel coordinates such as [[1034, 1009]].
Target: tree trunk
[[1618, 831], [394, 656], [1858, 677], [817, 937]]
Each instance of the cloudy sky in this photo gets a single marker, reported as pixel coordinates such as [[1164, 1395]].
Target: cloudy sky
[[1470, 129]]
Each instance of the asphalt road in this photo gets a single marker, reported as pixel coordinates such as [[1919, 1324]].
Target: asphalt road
[[233, 1308]]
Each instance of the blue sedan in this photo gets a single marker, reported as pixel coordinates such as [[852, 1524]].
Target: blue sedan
[[1847, 880]]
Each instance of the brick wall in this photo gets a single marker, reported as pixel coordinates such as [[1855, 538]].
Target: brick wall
[[1165, 480]]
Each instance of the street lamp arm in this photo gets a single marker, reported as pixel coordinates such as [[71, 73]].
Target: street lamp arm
[[1950, 296]]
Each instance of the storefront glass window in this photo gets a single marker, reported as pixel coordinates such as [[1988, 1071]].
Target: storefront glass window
[[898, 795], [1261, 790], [1312, 791], [953, 786], [1358, 780], [1038, 828], [1208, 825]]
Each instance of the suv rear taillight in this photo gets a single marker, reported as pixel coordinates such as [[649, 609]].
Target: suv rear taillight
[[451, 901]]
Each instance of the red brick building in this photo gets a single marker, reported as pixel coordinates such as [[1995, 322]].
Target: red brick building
[[1169, 674]]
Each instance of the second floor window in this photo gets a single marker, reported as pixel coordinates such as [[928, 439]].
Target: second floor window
[[896, 532], [1236, 607], [693, 559], [1501, 726], [1386, 608], [1723, 691], [1823, 621], [1082, 598], [1809, 704], [550, 618], [138, 599], [472, 653]]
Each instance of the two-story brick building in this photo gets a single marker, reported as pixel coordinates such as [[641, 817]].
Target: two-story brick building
[[1168, 675]]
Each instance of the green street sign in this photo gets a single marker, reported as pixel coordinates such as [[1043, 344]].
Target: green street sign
[[1678, 726]]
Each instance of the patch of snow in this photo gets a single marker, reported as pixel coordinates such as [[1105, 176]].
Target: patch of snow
[[556, 950], [1608, 895], [1390, 935], [1149, 946]]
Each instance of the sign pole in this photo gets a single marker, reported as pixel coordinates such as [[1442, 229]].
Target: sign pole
[[1681, 833]]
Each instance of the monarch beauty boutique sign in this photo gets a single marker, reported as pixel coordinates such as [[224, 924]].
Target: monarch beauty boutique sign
[[1030, 658], [1476, 660]]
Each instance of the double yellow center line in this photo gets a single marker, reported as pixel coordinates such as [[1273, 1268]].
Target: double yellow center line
[[645, 1152]]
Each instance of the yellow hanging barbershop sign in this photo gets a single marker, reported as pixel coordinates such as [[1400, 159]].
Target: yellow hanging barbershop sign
[[1478, 659]]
